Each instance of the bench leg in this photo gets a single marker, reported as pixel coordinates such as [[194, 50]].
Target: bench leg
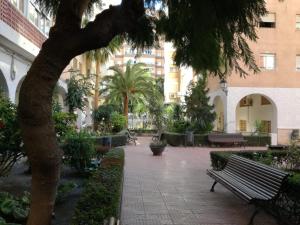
[[253, 216], [213, 186]]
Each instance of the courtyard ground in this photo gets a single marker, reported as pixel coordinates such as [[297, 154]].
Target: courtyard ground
[[174, 189]]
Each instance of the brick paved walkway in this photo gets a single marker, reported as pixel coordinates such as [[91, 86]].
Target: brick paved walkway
[[174, 189]]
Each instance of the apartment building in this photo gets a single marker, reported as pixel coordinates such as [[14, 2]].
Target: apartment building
[[161, 65], [270, 98], [23, 29]]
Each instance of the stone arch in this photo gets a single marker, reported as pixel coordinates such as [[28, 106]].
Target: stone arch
[[254, 107], [18, 90]]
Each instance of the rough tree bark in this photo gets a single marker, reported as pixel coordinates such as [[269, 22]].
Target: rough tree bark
[[66, 40]]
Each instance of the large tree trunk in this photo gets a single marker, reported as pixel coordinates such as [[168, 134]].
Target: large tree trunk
[[96, 96], [35, 114], [126, 108], [66, 40]]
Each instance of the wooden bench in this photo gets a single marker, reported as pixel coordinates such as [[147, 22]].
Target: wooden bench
[[253, 182], [223, 139], [131, 137]]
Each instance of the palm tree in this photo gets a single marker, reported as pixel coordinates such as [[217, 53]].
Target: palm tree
[[100, 56], [132, 84]]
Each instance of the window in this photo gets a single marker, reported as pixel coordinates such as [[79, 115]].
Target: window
[[268, 21], [297, 62], [265, 101], [266, 126], [147, 52], [298, 22], [267, 61], [243, 125], [19, 4], [33, 14]]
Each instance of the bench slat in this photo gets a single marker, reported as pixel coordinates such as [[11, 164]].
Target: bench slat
[[250, 180]]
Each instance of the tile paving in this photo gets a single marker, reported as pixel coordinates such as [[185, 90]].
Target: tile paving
[[173, 189]]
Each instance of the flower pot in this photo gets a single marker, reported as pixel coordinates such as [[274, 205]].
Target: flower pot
[[157, 150]]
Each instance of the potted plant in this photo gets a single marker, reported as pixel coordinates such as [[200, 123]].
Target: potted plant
[[157, 147]]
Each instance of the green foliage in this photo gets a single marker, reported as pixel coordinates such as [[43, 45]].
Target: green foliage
[[118, 122], [14, 209], [198, 109], [135, 84], [10, 137], [258, 140], [158, 144], [102, 195], [103, 113], [156, 109], [79, 87], [79, 150], [180, 126], [293, 157], [64, 123]]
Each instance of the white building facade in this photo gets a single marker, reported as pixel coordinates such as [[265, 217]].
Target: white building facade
[[23, 29]]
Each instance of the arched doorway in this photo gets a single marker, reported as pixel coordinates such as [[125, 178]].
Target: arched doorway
[[256, 113], [18, 90], [219, 124], [3, 85]]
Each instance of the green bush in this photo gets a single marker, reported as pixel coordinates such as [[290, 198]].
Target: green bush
[[14, 209], [10, 136], [174, 139], [102, 195], [64, 123], [79, 150], [118, 122], [180, 126], [258, 140]]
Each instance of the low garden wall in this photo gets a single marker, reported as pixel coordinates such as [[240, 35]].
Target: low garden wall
[[178, 139], [116, 140], [287, 206], [101, 197]]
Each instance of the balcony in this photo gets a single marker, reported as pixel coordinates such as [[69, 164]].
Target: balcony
[[17, 21]]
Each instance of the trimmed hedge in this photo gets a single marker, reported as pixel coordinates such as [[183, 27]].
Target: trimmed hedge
[[258, 140], [116, 140], [177, 139], [144, 131], [101, 197], [174, 139]]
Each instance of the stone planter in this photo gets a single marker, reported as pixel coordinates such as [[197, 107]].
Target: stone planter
[[157, 150]]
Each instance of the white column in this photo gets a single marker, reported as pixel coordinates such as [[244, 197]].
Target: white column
[[230, 115]]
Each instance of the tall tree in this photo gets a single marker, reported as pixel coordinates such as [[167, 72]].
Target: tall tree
[[198, 109], [100, 56], [202, 31], [128, 85]]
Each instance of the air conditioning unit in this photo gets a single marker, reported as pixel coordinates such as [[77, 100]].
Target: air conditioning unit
[[246, 101]]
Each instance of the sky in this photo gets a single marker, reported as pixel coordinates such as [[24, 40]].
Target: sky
[[111, 2]]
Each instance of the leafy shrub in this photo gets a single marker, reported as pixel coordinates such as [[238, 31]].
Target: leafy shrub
[[64, 123], [102, 195], [13, 209], [10, 137], [104, 112], [118, 122], [79, 150], [174, 139], [258, 140], [180, 126]]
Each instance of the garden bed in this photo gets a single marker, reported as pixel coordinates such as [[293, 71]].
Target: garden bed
[[101, 198]]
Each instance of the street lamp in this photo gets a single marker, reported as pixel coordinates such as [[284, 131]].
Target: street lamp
[[224, 86]]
